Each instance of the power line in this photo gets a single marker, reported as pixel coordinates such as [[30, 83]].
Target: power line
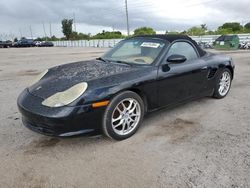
[[139, 7], [136, 8]]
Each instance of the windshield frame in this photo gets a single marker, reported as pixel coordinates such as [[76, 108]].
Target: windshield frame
[[110, 52]]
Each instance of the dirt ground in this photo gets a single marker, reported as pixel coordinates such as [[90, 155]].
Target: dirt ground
[[205, 143]]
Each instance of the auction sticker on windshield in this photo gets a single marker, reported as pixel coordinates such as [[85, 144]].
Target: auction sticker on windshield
[[150, 44]]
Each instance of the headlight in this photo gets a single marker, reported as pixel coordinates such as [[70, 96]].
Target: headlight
[[66, 97], [40, 76]]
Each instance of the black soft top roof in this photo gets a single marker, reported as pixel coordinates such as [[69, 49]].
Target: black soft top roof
[[173, 37]]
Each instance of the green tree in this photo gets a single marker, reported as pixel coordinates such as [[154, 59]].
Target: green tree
[[224, 31], [210, 32], [247, 26], [73, 35], [198, 31], [38, 39], [53, 38], [144, 31], [204, 27], [108, 35], [67, 27], [83, 36], [79, 36], [234, 26]]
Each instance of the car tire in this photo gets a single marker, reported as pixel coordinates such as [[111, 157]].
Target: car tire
[[223, 84], [123, 116]]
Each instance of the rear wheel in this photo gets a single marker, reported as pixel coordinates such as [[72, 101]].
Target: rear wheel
[[223, 84], [123, 115]]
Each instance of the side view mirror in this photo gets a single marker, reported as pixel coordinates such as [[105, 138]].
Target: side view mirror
[[176, 59]]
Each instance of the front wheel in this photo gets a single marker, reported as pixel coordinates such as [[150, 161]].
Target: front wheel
[[123, 115], [223, 84]]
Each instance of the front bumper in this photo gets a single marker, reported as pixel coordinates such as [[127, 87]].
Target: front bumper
[[62, 121]]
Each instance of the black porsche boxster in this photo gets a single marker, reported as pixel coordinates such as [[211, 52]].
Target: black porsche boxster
[[112, 93]]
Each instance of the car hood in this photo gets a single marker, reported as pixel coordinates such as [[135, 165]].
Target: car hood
[[65, 76]]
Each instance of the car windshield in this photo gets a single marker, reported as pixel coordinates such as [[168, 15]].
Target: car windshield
[[225, 38], [136, 51]]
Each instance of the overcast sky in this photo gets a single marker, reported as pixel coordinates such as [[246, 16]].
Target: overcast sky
[[93, 16]]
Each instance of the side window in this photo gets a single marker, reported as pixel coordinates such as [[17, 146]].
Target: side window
[[183, 48]]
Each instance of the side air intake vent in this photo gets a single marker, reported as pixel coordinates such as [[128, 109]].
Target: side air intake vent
[[211, 73]]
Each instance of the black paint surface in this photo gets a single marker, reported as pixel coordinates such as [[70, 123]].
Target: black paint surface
[[160, 85]]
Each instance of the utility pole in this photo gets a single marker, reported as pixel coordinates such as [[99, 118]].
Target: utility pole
[[74, 21], [44, 32], [126, 7], [12, 36], [21, 34], [50, 31], [31, 34]]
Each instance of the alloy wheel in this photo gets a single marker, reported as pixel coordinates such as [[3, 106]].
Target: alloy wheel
[[224, 84], [126, 116]]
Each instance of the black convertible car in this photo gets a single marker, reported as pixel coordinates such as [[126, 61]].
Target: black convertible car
[[112, 93]]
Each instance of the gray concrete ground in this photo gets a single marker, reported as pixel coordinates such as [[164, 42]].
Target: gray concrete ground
[[205, 143]]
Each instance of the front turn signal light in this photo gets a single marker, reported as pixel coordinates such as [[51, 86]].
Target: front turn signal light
[[100, 104]]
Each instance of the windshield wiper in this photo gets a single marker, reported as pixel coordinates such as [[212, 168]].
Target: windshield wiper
[[123, 62], [101, 59], [115, 61]]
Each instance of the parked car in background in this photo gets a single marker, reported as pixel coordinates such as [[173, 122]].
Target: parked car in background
[[37, 43], [227, 42], [244, 45], [43, 44], [5, 44], [24, 43], [46, 44], [206, 45]]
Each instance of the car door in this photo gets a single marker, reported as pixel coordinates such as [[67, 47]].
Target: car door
[[178, 82]]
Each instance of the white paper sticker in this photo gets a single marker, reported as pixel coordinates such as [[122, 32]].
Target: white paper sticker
[[150, 44], [222, 43]]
